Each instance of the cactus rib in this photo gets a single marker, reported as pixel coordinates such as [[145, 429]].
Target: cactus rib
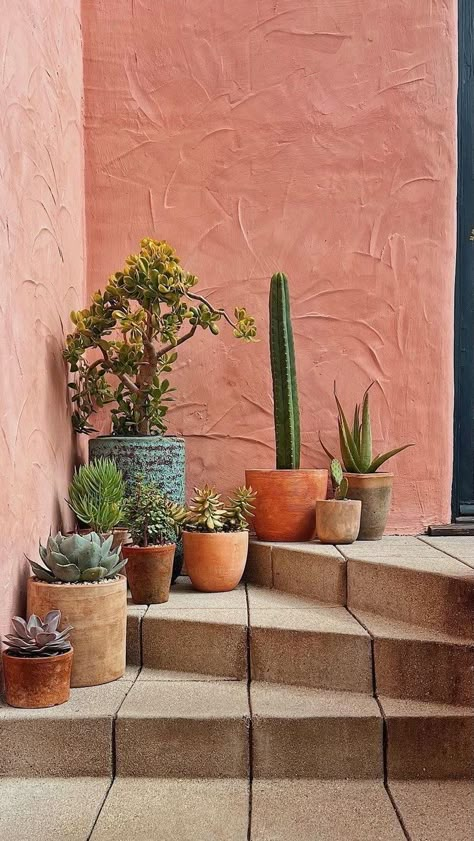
[[285, 389]]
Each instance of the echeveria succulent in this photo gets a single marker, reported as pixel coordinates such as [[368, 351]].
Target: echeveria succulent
[[74, 558], [38, 637]]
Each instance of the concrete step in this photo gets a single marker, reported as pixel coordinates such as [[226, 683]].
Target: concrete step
[[461, 548], [72, 740], [323, 810], [406, 579], [184, 729], [301, 642], [307, 569], [420, 663], [427, 741], [438, 810], [307, 733]]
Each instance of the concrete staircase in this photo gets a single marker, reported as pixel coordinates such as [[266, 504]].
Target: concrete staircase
[[330, 698]]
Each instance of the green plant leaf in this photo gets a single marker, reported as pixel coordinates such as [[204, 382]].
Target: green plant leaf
[[346, 436], [366, 434], [381, 459]]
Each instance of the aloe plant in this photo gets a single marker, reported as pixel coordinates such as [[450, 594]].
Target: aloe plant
[[38, 637], [285, 388], [96, 495], [76, 558], [356, 442]]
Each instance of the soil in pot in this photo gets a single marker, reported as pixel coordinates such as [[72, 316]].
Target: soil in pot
[[35, 682], [338, 520], [374, 490], [149, 570], [215, 562], [284, 507], [98, 613]]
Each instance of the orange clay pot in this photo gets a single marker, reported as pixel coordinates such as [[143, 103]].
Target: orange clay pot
[[149, 571], [35, 682], [215, 562], [285, 503], [338, 520]]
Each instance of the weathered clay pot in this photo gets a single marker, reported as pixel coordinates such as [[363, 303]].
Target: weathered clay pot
[[149, 571], [338, 520], [98, 614], [160, 458], [35, 682], [284, 507], [215, 563], [375, 492]]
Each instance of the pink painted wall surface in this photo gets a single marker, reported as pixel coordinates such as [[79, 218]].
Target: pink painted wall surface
[[41, 273], [316, 138]]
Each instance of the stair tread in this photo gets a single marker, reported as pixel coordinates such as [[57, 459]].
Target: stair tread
[[319, 619], [170, 675], [265, 598], [274, 700], [85, 703], [182, 595], [435, 810], [385, 627], [210, 699], [407, 553], [461, 548], [409, 708], [203, 615]]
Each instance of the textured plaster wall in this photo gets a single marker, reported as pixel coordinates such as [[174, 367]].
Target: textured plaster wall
[[42, 271], [313, 137]]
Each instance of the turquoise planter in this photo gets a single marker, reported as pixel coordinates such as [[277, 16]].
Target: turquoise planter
[[160, 458]]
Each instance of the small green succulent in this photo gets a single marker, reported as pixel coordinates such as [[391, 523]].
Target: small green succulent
[[96, 495], [208, 513], [240, 508], [339, 481], [76, 558], [151, 518]]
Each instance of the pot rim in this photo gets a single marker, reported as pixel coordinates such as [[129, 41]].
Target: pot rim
[[150, 548], [292, 470], [340, 501], [108, 581], [216, 533], [377, 473], [55, 657], [138, 437]]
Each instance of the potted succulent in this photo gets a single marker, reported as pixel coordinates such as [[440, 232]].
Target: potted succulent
[[134, 329], [154, 524], [372, 488], [96, 497], [216, 538], [338, 519], [37, 662], [80, 577], [286, 496]]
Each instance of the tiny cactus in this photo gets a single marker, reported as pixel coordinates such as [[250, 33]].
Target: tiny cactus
[[339, 481], [76, 558], [38, 637], [285, 388]]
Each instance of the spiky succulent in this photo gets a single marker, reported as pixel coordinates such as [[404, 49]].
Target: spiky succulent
[[356, 443], [96, 494], [76, 558], [339, 481], [38, 637], [240, 508], [151, 518], [207, 512]]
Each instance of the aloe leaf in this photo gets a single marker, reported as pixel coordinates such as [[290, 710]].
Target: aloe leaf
[[329, 455], [347, 435], [356, 426], [381, 459], [349, 464], [366, 434]]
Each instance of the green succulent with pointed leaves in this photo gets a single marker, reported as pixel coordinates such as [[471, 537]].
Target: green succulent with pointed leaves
[[151, 518], [76, 558], [356, 443], [208, 513], [96, 495]]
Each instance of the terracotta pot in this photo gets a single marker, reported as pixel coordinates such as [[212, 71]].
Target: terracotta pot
[[375, 492], [35, 682], [284, 508], [98, 614], [215, 563], [338, 520], [149, 570]]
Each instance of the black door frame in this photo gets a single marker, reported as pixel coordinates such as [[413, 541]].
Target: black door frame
[[463, 474]]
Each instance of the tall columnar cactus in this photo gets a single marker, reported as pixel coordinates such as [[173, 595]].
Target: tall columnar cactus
[[285, 388]]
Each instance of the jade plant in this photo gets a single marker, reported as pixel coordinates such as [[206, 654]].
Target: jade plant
[[285, 388], [339, 481], [356, 442], [133, 330], [38, 637], [76, 558], [151, 518], [96, 495], [208, 513]]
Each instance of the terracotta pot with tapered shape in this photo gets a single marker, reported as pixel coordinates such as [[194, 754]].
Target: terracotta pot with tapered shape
[[32, 683], [98, 615], [284, 506], [149, 570], [375, 493], [338, 520], [215, 562]]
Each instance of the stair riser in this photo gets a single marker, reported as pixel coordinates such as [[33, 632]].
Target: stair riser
[[322, 661], [203, 648], [319, 748], [412, 596], [430, 748], [134, 620], [182, 748], [425, 671], [318, 575]]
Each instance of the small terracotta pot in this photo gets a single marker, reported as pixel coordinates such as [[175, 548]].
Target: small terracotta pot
[[375, 492], [35, 682], [98, 615], [338, 520], [215, 563], [284, 507], [149, 570]]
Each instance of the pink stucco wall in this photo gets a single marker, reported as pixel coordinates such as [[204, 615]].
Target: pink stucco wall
[[316, 138], [41, 272]]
